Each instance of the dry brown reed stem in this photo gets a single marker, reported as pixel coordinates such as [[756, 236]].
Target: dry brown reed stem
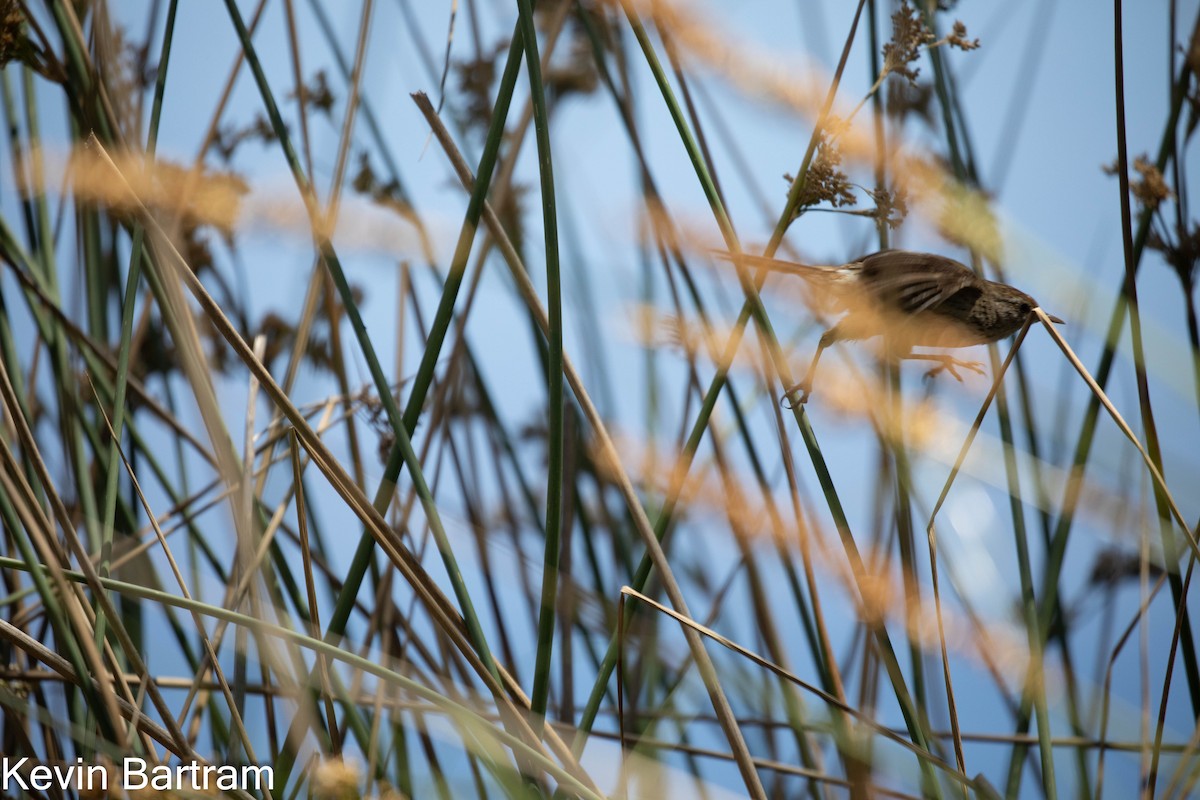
[[80, 613], [183, 326], [39, 524], [507, 693], [84, 341], [605, 445], [43, 654], [247, 563], [878, 595], [881, 593], [962, 213], [203, 197], [207, 641], [1188, 533], [928, 428], [178, 517], [860, 717], [501, 189]]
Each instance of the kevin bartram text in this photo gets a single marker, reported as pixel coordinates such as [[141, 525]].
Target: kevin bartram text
[[25, 774]]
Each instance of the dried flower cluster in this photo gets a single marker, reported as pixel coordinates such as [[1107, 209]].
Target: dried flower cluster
[[510, 209], [904, 98], [15, 45], [475, 78], [12, 37], [231, 137], [824, 181], [128, 72], [571, 70], [575, 71], [367, 183], [891, 207], [317, 94], [574, 74], [908, 34], [1150, 188], [1182, 250], [281, 338], [1179, 243], [1112, 566], [958, 38]]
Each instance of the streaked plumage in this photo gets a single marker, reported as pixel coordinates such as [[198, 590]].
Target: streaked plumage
[[913, 299]]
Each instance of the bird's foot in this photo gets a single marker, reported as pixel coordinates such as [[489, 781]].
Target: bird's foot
[[949, 364], [796, 395]]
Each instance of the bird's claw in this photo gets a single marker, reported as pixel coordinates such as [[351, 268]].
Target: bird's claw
[[795, 396], [949, 364]]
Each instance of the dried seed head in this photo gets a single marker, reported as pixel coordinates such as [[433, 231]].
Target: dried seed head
[[825, 181], [958, 38], [336, 779], [1152, 189], [908, 34]]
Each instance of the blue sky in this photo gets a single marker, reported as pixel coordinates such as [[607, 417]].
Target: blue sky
[[1059, 211]]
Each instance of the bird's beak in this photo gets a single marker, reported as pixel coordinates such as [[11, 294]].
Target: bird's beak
[[1051, 317]]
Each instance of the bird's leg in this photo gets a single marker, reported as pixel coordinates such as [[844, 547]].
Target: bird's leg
[[946, 364], [797, 394]]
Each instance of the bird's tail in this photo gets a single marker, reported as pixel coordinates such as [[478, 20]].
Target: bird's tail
[[808, 271]]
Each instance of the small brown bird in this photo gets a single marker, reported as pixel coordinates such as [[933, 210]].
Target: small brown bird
[[912, 299]]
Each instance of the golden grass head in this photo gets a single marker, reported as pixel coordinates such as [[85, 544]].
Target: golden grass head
[[195, 196]]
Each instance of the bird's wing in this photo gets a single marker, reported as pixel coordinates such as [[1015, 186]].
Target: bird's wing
[[915, 292], [915, 282]]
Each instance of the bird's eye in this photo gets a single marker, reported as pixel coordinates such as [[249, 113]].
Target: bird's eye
[[1026, 308]]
